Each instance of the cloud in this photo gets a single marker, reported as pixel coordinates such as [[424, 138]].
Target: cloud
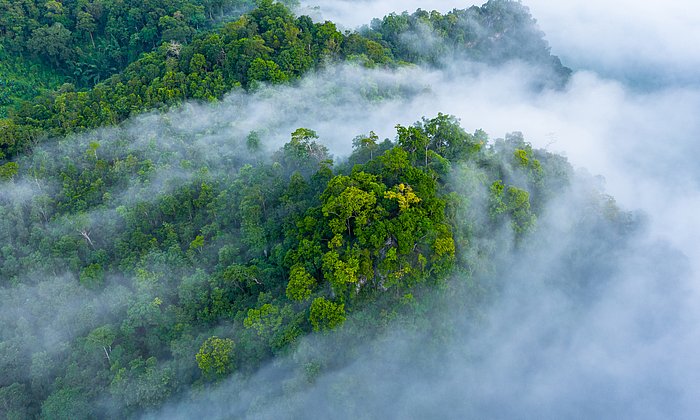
[[543, 350], [540, 350], [627, 350], [636, 41], [643, 42]]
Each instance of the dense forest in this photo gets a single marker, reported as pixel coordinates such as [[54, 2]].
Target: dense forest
[[46, 44], [87, 41], [139, 266], [271, 45]]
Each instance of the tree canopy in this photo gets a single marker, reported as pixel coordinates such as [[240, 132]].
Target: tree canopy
[[139, 270]]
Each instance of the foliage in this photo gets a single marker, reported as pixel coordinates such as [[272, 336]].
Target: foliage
[[64, 403], [301, 283], [215, 356], [326, 315], [267, 45], [265, 321], [87, 41], [22, 79], [496, 32], [262, 252], [8, 171], [169, 60], [260, 249]]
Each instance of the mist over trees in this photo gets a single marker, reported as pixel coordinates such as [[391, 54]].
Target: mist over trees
[[166, 250], [237, 266], [267, 45]]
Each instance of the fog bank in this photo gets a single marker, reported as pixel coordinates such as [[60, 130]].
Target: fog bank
[[545, 352], [613, 337]]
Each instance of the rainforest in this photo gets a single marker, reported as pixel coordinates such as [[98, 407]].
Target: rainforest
[[263, 209]]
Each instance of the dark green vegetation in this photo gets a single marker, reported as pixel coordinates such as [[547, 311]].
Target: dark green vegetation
[[44, 44], [22, 79], [134, 271], [89, 40], [271, 45], [267, 45], [162, 287]]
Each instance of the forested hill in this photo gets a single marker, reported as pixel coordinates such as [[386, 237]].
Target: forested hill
[[144, 261], [89, 40], [127, 282], [44, 44], [271, 45], [494, 33]]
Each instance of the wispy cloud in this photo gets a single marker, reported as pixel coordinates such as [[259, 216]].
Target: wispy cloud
[[629, 351], [539, 351]]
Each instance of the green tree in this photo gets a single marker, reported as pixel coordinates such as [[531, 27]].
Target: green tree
[[144, 384], [519, 205], [300, 283], [404, 196], [215, 357], [92, 276], [8, 171], [303, 153], [326, 315], [52, 43], [253, 142], [339, 272], [174, 28], [265, 321], [366, 144], [14, 401], [351, 208], [102, 339], [266, 71], [67, 403], [197, 244], [86, 24], [514, 202]]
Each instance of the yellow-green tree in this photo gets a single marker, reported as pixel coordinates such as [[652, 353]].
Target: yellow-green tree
[[326, 315], [215, 357], [300, 283]]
